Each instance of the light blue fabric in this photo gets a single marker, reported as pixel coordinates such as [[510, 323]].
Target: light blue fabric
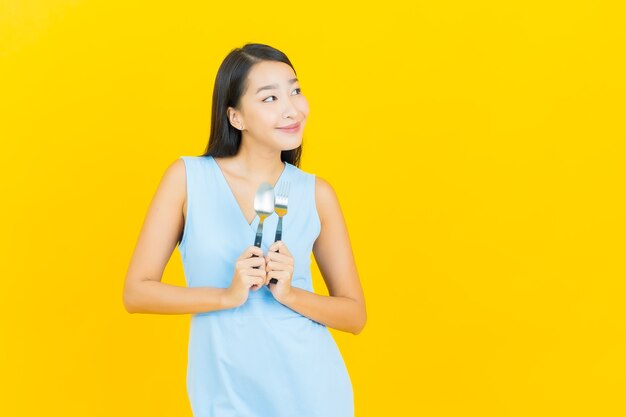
[[261, 359]]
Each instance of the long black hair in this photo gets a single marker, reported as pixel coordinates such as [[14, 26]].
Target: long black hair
[[230, 83]]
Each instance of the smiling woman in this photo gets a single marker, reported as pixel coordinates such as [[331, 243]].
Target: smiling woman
[[254, 349]]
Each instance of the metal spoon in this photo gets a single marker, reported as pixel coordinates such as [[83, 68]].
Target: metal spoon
[[264, 206]]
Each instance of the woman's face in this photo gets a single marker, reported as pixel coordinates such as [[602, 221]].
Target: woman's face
[[271, 101]]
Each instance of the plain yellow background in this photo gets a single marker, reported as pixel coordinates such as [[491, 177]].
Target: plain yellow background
[[477, 149]]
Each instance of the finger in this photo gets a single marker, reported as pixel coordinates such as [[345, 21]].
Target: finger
[[279, 275], [278, 266], [251, 251], [256, 251], [280, 247], [257, 261], [274, 247], [279, 257], [270, 275], [254, 272], [255, 279]]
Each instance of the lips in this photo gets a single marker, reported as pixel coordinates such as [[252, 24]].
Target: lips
[[291, 127]]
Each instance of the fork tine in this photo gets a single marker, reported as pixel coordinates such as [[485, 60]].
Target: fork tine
[[284, 191], [281, 191]]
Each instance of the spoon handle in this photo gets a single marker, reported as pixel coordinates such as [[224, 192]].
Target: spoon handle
[[258, 239], [259, 236]]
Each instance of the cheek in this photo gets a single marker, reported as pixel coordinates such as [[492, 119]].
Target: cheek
[[303, 106], [262, 118]]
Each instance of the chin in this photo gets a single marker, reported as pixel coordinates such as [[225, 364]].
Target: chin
[[290, 145], [299, 142]]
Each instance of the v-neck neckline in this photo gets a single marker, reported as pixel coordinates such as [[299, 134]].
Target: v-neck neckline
[[233, 199]]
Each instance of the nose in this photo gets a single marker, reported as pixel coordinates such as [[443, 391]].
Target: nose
[[289, 110]]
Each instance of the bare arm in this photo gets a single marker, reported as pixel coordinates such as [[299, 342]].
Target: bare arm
[[344, 307], [143, 290]]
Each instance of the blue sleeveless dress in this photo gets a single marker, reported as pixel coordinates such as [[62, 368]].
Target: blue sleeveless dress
[[261, 359]]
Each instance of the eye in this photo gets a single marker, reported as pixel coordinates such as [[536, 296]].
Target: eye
[[265, 100]]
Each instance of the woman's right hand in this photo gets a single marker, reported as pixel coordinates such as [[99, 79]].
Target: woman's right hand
[[246, 276]]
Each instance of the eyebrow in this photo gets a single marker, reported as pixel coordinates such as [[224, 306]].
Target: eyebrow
[[273, 86]]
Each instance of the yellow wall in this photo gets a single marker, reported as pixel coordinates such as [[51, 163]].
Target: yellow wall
[[477, 149]]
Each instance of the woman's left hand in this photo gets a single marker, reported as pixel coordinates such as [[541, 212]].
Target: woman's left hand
[[279, 265]]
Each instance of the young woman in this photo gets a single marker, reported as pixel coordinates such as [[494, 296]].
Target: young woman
[[256, 348]]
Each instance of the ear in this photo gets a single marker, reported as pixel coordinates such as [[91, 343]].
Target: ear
[[234, 118]]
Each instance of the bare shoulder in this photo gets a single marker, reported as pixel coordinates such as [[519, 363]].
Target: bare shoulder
[[174, 182], [171, 194], [176, 171], [323, 187], [326, 199]]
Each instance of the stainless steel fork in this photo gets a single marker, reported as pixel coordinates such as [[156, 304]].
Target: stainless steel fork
[[280, 207]]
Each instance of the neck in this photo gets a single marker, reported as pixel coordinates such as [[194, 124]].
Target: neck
[[256, 162]]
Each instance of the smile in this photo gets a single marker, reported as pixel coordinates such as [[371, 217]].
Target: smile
[[291, 128]]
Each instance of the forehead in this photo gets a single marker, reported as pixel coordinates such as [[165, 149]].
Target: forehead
[[269, 72]]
